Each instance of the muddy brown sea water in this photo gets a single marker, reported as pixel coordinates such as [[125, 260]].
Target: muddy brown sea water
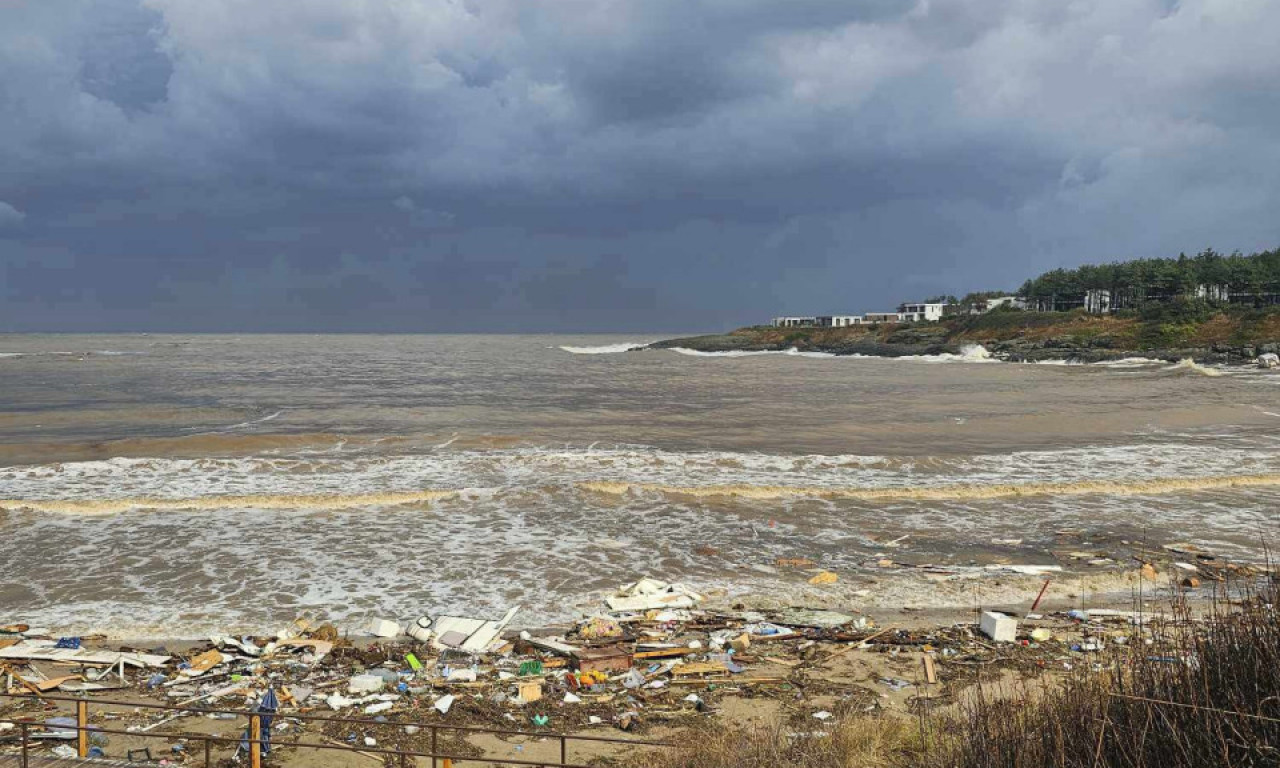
[[167, 486]]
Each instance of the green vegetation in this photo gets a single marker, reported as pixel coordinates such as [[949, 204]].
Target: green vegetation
[[1209, 276]]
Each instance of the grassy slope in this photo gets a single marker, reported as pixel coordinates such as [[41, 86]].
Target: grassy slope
[[1057, 328]]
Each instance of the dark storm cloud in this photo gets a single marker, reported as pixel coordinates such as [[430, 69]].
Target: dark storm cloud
[[612, 164]]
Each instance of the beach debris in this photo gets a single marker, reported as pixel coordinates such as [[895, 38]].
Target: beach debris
[[384, 628], [999, 627], [365, 684], [661, 657], [463, 633], [825, 577], [651, 594], [443, 703], [1268, 360], [46, 650], [1025, 570], [814, 617], [529, 691]]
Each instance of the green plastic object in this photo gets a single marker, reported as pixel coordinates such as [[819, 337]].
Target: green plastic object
[[533, 667], [414, 664]]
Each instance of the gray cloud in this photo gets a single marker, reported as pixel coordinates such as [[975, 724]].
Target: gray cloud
[[642, 164], [10, 216]]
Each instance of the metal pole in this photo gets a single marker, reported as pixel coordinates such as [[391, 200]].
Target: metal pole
[[564, 750], [434, 764], [82, 728], [25, 742], [208, 763], [255, 741]]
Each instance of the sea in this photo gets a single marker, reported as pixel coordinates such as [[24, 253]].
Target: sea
[[173, 486]]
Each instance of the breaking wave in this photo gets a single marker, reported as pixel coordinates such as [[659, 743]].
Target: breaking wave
[[969, 353], [953, 492], [606, 349], [946, 492], [1187, 364], [253, 501], [793, 352]]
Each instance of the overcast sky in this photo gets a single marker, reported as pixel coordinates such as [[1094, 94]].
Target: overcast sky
[[621, 165]]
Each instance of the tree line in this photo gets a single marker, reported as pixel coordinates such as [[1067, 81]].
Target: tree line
[[1208, 276]]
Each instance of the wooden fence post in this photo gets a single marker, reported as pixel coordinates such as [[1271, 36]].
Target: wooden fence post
[[255, 741], [82, 728]]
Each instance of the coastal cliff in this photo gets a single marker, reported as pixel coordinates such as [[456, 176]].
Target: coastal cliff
[[1206, 337]]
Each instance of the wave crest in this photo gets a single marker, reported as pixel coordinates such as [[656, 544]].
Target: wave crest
[[606, 349], [946, 492], [249, 501]]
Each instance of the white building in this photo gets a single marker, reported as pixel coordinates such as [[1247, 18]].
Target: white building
[[1097, 301], [838, 321], [794, 322], [1002, 301], [916, 313]]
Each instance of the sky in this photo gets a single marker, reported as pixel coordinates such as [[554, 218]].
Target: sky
[[609, 165]]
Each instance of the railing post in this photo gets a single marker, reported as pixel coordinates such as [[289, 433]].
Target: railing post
[[564, 750], [25, 742], [208, 762], [82, 728], [434, 764], [255, 741]]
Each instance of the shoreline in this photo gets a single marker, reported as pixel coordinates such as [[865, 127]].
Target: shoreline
[[1016, 337]]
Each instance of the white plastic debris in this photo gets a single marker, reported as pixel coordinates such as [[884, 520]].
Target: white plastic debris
[[823, 715], [651, 594], [381, 706], [337, 701], [998, 627], [365, 684], [443, 703], [384, 628], [570, 698]]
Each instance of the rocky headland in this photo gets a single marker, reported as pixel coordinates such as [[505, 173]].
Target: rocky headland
[[1223, 338]]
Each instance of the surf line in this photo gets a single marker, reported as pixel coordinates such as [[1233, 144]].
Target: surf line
[[1161, 485], [248, 501]]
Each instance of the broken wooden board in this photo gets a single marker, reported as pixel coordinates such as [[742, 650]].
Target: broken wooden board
[[45, 650], [700, 669]]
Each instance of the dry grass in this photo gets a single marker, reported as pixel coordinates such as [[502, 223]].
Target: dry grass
[[1202, 693], [852, 742]]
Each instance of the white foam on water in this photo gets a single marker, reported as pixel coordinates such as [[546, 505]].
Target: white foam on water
[[607, 349], [969, 353], [250, 543], [792, 352], [1187, 364], [445, 470], [1129, 362]]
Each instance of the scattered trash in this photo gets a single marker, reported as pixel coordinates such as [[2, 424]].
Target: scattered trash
[[826, 577]]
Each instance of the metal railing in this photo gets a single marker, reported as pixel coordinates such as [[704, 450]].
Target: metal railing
[[255, 742]]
